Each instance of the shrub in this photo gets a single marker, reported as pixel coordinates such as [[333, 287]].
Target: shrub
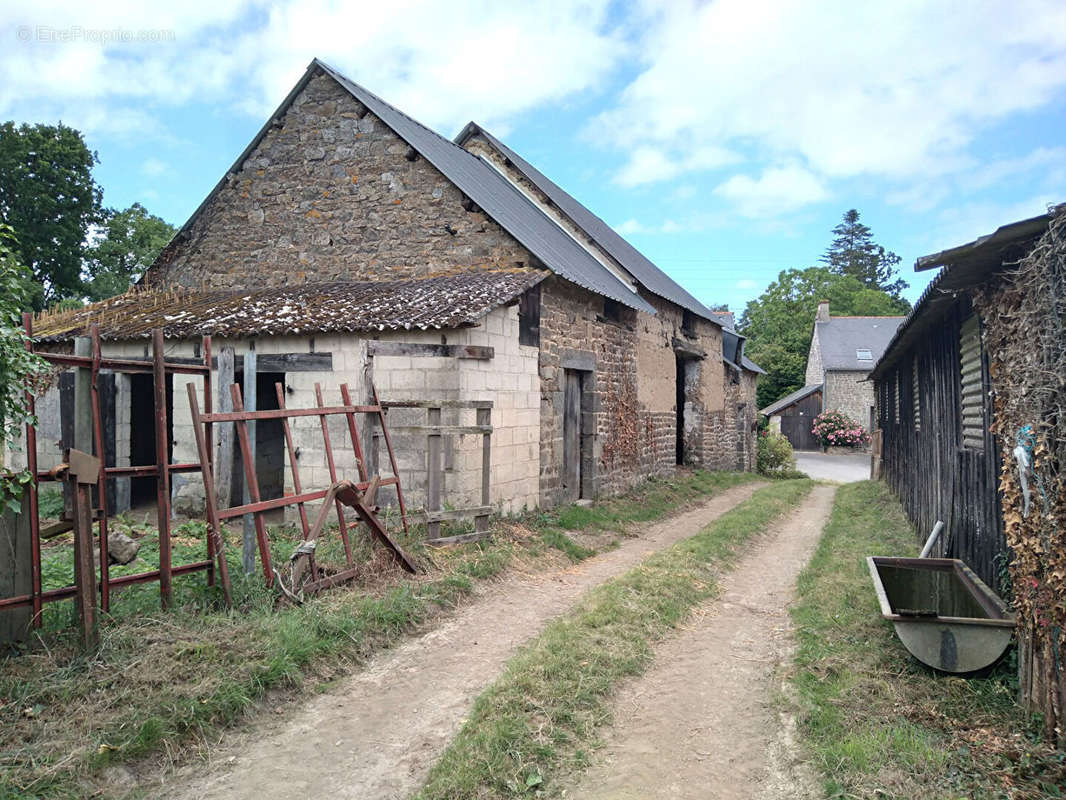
[[774, 454], [836, 429]]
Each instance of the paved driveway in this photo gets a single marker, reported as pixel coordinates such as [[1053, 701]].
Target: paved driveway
[[842, 468]]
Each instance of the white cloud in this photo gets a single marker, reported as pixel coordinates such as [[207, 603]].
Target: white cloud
[[776, 191], [440, 61], [631, 226], [849, 89], [154, 167]]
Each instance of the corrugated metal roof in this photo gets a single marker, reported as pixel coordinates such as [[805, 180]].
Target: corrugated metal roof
[[841, 337], [640, 267], [499, 199], [962, 267], [437, 302], [789, 399]]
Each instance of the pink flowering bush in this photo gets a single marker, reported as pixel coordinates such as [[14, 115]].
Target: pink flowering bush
[[835, 429]]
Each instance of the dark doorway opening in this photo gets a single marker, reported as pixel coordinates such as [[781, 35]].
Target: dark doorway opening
[[142, 433], [679, 399], [269, 440], [574, 442]]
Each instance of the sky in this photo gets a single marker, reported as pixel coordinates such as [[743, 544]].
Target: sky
[[724, 139]]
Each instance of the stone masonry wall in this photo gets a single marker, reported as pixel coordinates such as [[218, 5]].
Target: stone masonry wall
[[332, 193], [849, 392], [629, 408], [815, 373]]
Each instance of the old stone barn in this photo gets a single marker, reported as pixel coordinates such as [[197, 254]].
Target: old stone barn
[[348, 242]]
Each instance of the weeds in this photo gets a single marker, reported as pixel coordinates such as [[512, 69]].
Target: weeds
[[540, 718], [165, 681], [877, 723]]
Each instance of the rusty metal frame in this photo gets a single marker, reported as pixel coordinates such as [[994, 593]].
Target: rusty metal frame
[[202, 423], [159, 367]]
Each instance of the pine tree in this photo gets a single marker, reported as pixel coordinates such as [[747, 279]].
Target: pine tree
[[854, 253]]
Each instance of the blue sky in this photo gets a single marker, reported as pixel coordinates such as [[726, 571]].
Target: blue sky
[[725, 139]]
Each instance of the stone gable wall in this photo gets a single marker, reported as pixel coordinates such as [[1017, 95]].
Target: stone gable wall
[[815, 374], [850, 392], [332, 193]]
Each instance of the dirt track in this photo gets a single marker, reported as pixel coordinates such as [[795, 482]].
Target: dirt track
[[701, 722], [377, 735]]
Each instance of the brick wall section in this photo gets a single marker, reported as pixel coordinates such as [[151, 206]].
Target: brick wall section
[[331, 194], [848, 391]]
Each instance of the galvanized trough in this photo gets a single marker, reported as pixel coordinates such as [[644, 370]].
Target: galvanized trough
[[942, 612]]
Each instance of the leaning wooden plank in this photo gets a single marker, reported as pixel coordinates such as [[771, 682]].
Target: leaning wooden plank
[[460, 539]]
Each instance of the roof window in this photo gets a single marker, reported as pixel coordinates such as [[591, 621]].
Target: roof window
[[864, 355]]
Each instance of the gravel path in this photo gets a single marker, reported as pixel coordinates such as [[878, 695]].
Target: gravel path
[[377, 735], [702, 723]]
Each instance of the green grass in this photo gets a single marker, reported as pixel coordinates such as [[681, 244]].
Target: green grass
[[540, 719], [877, 723], [164, 681]]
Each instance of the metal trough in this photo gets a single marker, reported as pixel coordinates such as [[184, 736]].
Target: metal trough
[[943, 613]]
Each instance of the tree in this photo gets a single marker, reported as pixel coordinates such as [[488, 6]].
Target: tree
[[128, 243], [20, 370], [855, 253], [778, 323], [50, 200]]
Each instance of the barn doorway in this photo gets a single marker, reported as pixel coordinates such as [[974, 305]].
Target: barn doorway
[[679, 399], [575, 443], [142, 433]]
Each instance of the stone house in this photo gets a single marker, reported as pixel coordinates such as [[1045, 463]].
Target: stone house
[[350, 242], [843, 351]]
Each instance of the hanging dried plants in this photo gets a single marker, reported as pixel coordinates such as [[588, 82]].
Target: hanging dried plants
[[1024, 333]]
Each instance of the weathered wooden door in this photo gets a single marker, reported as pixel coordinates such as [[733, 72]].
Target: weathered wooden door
[[572, 435]]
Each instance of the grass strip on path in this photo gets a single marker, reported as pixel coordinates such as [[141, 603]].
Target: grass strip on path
[[163, 681], [879, 724], [541, 716]]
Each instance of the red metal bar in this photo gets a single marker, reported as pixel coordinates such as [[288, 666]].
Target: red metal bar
[[209, 441], [31, 465], [101, 480], [342, 525], [392, 457], [281, 502], [353, 432], [293, 463], [123, 580], [215, 529], [283, 413], [162, 462], [252, 483]]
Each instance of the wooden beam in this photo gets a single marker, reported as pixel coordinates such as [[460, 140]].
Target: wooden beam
[[378, 348], [16, 571], [460, 539], [268, 362], [223, 467], [436, 404], [248, 452], [434, 472]]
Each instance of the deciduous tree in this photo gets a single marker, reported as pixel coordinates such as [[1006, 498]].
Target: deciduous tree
[[127, 244], [779, 322], [50, 200]]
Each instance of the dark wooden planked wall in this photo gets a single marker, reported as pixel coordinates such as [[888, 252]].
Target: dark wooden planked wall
[[926, 464]]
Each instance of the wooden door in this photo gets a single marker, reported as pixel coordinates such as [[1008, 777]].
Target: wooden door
[[572, 435]]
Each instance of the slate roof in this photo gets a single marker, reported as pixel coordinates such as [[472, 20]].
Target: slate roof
[[839, 338], [492, 192], [732, 342], [789, 399], [643, 270], [441, 301]]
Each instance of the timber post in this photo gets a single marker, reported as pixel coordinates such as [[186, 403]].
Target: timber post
[[249, 531], [16, 571]]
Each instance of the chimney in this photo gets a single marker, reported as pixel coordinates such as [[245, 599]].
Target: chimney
[[823, 311]]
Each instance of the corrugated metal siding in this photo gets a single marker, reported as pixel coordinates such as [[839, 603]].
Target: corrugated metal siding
[[971, 398]]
